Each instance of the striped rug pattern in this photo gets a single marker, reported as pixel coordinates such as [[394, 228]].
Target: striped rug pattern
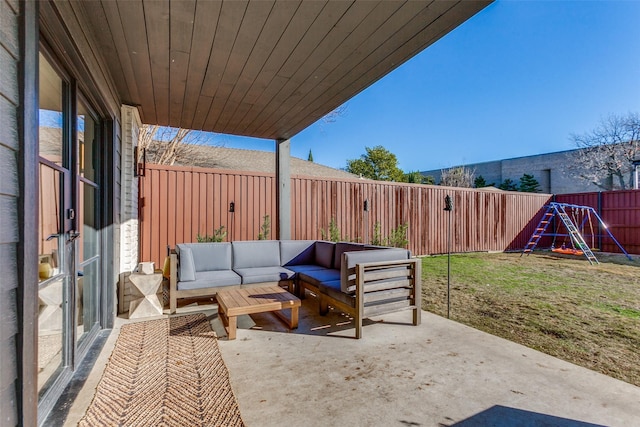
[[166, 372]]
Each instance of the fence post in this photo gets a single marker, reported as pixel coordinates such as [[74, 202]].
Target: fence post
[[599, 223]]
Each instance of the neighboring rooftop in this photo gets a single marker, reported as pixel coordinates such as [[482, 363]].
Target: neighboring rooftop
[[207, 156]]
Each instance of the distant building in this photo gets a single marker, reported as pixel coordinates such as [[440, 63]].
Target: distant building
[[551, 170]]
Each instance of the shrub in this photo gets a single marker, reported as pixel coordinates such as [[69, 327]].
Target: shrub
[[265, 228], [333, 233], [217, 236], [397, 237]]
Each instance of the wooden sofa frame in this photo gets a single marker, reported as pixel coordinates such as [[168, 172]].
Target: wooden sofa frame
[[380, 288]]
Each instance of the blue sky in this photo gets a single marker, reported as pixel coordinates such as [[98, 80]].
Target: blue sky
[[516, 79]]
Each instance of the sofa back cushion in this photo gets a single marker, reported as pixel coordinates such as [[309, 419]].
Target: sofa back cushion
[[210, 256], [297, 252], [324, 253], [256, 253], [342, 247], [350, 259]]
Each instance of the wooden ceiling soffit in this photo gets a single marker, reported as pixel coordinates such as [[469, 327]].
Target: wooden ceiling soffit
[[265, 69]]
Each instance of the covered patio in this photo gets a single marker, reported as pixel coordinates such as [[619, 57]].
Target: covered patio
[[440, 373]]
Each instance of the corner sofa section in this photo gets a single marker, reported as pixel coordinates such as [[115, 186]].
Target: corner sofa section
[[360, 280]]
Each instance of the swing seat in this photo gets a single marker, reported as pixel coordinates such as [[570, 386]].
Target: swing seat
[[567, 251]]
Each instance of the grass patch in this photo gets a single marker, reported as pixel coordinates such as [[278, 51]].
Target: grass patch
[[626, 312], [587, 315]]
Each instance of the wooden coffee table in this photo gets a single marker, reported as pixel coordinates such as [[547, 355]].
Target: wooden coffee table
[[233, 303]]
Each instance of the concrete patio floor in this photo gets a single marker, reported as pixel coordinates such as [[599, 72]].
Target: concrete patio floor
[[441, 373]]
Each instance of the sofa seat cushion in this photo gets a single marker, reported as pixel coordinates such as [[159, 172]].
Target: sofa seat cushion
[[315, 277], [256, 253], [332, 289], [211, 279], [264, 274], [304, 267]]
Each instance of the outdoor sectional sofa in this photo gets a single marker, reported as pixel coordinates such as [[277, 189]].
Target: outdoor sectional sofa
[[360, 280]]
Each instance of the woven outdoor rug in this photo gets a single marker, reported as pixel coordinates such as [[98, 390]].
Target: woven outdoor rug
[[166, 372]]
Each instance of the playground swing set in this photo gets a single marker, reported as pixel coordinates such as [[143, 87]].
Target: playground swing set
[[571, 228]]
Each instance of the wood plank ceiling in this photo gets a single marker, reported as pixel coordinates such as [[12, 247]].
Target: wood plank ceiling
[[266, 69]]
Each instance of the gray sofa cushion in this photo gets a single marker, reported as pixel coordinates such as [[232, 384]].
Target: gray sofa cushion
[[315, 277], [264, 274], [211, 279], [342, 247], [210, 256], [297, 252], [186, 267], [324, 253], [304, 267], [256, 253], [350, 259]]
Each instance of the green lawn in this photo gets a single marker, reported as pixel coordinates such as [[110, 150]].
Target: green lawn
[[562, 306]]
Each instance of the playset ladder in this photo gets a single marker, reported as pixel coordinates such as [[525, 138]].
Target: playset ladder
[[576, 237], [539, 231]]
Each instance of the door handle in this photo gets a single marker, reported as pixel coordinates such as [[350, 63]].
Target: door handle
[[53, 236], [73, 235]]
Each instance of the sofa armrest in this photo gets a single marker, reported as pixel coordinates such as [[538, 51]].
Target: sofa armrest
[[386, 287]]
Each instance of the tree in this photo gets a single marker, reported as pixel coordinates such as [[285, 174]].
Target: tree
[[429, 180], [166, 146], [310, 156], [417, 178], [508, 185], [479, 182], [607, 153], [459, 176], [334, 115], [378, 163], [529, 184]]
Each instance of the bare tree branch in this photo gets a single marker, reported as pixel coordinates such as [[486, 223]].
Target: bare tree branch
[[607, 153], [460, 176], [167, 146]]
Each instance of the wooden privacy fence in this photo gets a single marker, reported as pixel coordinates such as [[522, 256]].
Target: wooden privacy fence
[[178, 203], [620, 211]]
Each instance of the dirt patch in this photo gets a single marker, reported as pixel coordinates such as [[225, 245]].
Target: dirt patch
[[585, 314]]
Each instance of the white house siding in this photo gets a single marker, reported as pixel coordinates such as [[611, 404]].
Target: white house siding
[[128, 205], [9, 192]]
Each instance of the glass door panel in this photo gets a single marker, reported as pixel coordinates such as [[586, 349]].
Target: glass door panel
[[88, 249], [55, 253], [51, 277]]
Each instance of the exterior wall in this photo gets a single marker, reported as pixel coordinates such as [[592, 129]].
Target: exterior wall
[[9, 223], [62, 26], [129, 231], [129, 190], [551, 170]]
